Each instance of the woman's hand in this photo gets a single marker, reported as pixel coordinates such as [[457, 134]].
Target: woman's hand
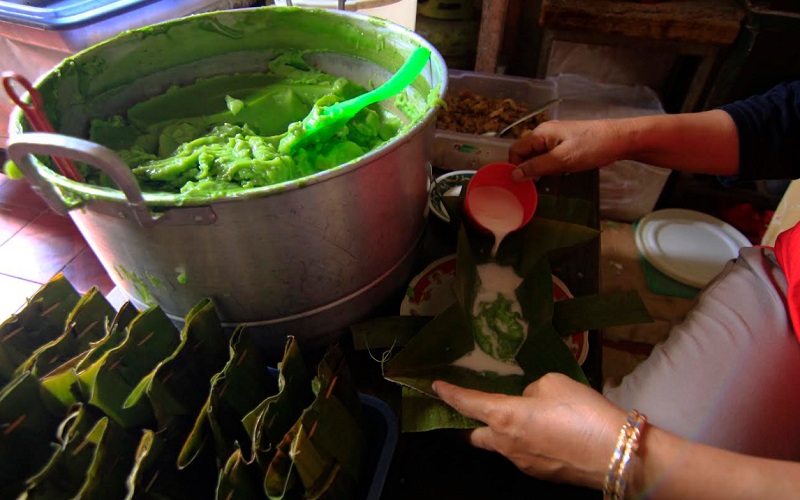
[[559, 429], [705, 142], [556, 147]]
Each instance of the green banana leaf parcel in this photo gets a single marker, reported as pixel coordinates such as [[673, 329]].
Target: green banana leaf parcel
[[430, 348]]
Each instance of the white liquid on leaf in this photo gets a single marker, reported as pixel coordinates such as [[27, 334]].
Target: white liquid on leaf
[[496, 209], [494, 279]]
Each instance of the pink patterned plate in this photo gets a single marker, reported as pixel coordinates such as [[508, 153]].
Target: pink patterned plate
[[431, 292]]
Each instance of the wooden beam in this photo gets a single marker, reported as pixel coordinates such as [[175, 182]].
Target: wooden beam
[[490, 37]]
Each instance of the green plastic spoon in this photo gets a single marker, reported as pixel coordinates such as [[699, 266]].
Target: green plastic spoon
[[321, 126]]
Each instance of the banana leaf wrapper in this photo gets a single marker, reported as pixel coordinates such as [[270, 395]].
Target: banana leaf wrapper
[[179, 384], [235, 391], [65, 473], [322, 455], [269, 422], [151, 338], [281, 480], [41, 321], [93, 461], [117, 333], [155, 473], [240, 479], [112, 462], [85, 324], [64, 383], [29, 420], [429, 354]]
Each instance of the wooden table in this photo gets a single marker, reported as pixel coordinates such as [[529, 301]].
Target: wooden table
[[441, 464]]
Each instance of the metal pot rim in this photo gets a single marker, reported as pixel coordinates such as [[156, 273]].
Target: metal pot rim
[[168, 200], [154, 199]]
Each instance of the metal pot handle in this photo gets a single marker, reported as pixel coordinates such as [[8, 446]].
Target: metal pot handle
[[21, 146]]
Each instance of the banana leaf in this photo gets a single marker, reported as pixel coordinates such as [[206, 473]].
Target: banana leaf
[[199, 440], [239, 479], [155, 474], [599, 311], [564, 209], [63, 382], [111, 463], [85, 324], [539, 239], [117, 333], [322, 455], [281, 480], [40, 321], [328, 449], [179, 385], [29, 419], [269, 422], [93, 462], [422, 412], [65, 473], [240, 387], [429, 354], [151, 338]]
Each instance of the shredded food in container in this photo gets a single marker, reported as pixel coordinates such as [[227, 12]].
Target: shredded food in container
[[471, 113]]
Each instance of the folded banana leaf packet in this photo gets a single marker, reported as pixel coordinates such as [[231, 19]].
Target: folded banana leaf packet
[[496, 339], [104, 403]]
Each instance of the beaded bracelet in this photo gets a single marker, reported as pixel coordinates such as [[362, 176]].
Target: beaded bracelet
[[627, 445]]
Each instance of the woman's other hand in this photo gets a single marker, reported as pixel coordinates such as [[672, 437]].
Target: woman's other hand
[[559, 429]]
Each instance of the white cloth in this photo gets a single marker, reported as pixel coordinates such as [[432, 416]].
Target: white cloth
[[729, 375]]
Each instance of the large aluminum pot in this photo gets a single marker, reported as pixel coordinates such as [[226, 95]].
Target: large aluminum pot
[[304, 258]]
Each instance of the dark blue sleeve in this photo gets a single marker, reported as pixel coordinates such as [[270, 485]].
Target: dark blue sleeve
[[769, 133]]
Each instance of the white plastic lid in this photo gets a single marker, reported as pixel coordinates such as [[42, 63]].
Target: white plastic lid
[[688, 246]]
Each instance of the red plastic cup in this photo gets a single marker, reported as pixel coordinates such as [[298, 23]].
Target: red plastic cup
[[499, 175]]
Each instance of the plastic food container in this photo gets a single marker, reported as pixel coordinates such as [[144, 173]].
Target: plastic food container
[[458, 151]]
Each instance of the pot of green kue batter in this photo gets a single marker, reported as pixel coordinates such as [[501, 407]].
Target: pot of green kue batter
[[304, 256]]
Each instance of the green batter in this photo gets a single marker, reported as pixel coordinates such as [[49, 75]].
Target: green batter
[[224, 133]]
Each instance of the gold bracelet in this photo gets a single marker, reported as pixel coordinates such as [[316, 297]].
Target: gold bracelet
[[627, 445]]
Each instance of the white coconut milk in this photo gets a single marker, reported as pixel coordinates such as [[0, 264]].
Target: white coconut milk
[[494, 279], [496, 209]]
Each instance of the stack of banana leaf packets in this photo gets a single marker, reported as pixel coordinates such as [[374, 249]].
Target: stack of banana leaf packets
[[103, 403]]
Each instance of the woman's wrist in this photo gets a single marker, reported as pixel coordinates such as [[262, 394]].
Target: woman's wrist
[[630, 139], [704, 142], [619, 472]]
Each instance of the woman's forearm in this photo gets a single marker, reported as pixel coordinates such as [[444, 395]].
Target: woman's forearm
[[671, 467], [705, 142]]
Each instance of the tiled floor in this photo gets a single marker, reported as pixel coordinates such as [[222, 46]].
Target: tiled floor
[[36, 244]]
